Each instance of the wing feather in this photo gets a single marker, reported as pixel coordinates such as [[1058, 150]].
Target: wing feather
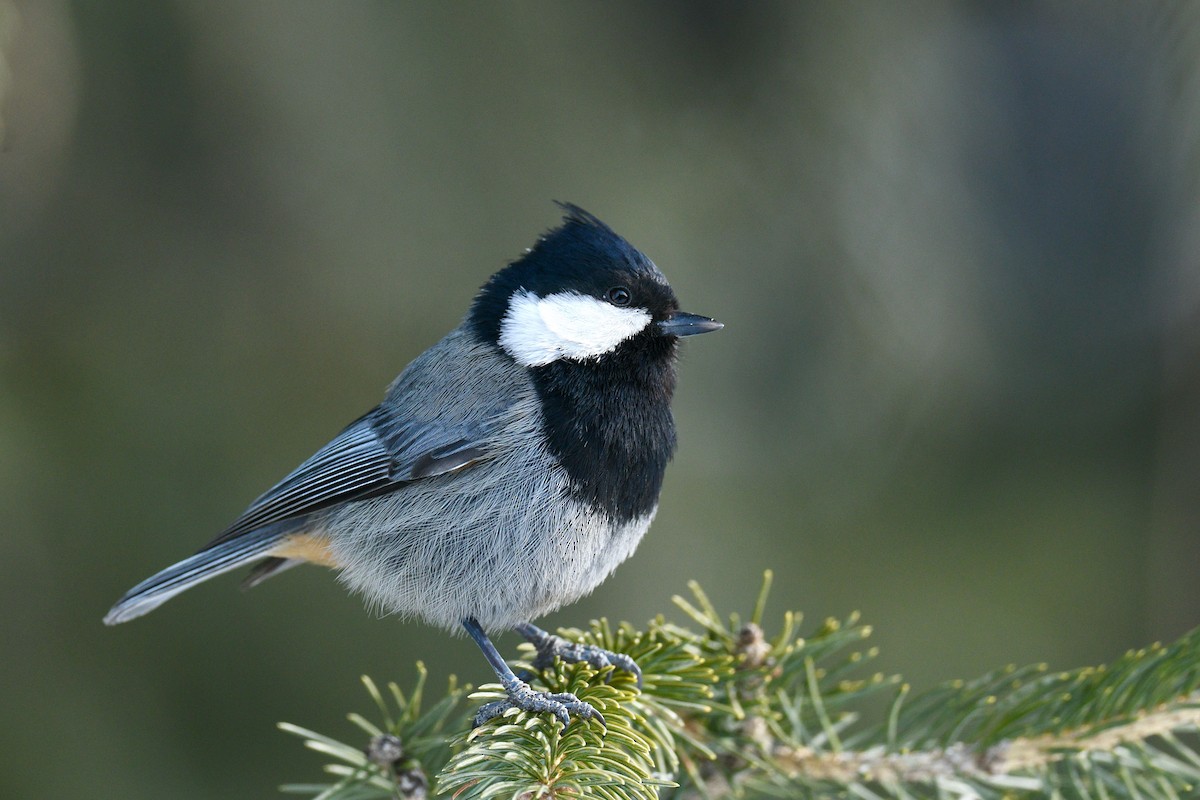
[[370, 457]]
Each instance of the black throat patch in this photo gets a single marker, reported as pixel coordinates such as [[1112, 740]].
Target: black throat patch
[[608, 420]]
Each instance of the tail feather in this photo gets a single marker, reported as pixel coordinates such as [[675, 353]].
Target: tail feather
[[269, 568], [208, 563]]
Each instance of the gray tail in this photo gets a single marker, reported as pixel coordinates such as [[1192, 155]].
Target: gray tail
[[208, 563]]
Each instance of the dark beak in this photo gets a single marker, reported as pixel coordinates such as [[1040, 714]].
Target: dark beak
[[683, 324]]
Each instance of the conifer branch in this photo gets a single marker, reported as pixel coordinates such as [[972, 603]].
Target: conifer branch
[[725, 711]]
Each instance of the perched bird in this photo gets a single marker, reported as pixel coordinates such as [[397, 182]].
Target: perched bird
[[508, 471]]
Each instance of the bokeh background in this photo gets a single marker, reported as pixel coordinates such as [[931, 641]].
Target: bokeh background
[[955, 246]]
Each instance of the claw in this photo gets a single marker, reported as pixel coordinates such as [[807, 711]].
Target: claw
[[561, 705], [550, 646]]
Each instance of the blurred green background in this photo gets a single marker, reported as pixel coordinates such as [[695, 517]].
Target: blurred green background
[[954, 244]]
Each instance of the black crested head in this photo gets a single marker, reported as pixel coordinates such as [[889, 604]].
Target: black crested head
[[579, 311], [583, 256], [596, 325]]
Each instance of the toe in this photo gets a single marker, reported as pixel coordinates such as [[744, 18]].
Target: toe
[[561, 705], [598, 658], [490, 711], [629, 665], [564, 717]]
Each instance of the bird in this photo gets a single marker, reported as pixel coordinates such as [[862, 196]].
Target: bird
[[509, 469]]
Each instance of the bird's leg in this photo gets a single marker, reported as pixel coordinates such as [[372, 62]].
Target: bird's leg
[[520, 695], [549, 646]]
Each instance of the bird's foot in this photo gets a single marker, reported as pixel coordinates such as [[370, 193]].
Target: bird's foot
[[550, 646], [520, 695]]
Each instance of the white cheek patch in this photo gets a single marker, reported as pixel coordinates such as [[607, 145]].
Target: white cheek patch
[[539, 330]]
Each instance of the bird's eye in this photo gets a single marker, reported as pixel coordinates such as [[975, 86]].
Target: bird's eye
[[619, 296]]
